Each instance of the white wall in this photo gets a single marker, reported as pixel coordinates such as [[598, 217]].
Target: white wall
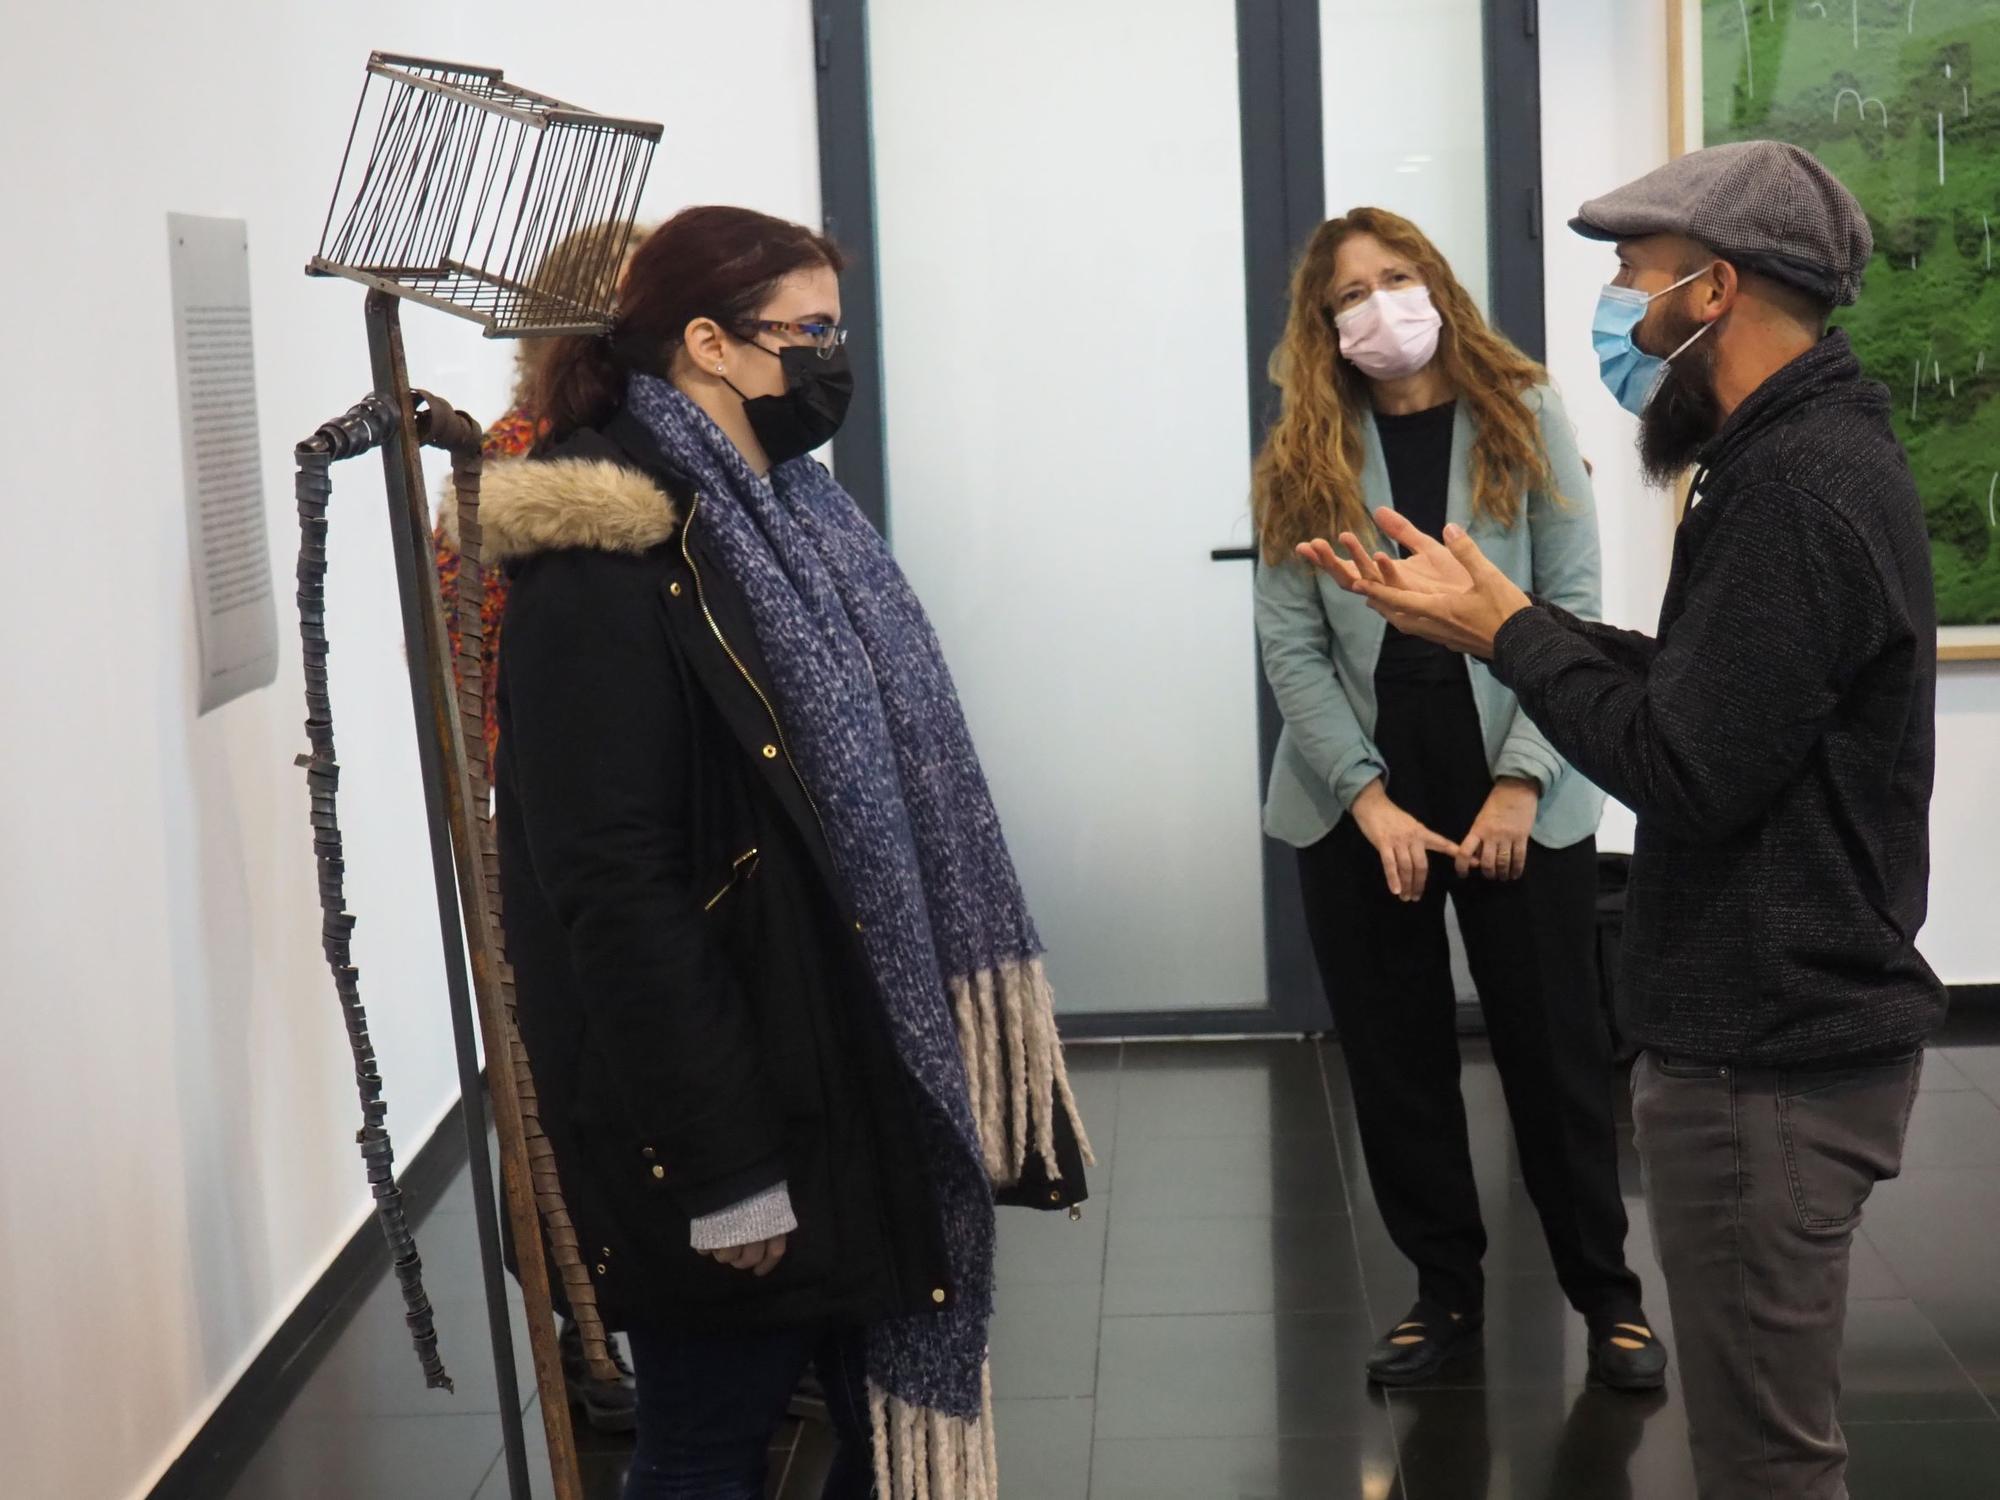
[[1604, 122], [1411, 140], [175, 1093]]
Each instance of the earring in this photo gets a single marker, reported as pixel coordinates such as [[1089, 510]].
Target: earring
[[718, 369]]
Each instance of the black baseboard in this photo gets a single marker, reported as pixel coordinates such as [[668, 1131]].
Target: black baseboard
[[1975, 1017], [231, 1435], [1164, 1025]]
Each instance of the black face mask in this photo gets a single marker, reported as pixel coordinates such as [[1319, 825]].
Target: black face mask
[[817, 390]]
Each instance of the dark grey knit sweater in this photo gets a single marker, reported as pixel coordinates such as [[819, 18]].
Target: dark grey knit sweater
[[1775, 740]]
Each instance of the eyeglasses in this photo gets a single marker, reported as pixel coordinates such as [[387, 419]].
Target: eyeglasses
[[825, 337]]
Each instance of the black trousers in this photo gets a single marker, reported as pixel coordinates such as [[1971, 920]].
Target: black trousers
[[1531, 946]]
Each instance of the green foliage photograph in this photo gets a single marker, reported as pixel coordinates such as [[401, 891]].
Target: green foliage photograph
[[1901, 98]]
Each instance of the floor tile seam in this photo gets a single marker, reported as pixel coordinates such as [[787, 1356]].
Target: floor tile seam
[[1295, 1215], [1958, 1364], [1219, 1216], [499, 1458], [1384, 1417], [1332, 1310], [1347, 1432], [1336, 1312], [1334, 1216], [1103, 1273], [1229, 1135]]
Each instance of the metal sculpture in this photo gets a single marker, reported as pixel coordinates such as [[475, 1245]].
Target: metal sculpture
[[465, 198], [468, 190]]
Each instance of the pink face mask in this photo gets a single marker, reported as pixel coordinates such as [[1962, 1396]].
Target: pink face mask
[[1392, 335]]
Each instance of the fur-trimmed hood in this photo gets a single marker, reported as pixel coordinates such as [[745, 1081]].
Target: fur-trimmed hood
[[529, 505]]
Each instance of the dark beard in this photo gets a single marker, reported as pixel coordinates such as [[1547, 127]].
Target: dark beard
[[1684, 413]]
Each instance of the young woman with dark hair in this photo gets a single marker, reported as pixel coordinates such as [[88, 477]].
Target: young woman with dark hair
[[606, 1395], [781, 993]]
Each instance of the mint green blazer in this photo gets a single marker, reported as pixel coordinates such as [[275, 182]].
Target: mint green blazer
[[1320, 645]]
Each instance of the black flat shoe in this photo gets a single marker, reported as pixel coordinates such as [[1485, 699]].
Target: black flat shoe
[[1627, 1357], [1421, 1345]]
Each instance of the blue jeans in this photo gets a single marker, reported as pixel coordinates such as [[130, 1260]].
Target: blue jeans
[[710, 1405]]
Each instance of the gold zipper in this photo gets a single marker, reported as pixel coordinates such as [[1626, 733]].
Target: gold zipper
[[739, 871], [701, 594]]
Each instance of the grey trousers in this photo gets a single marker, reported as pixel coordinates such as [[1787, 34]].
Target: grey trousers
[[1755, 1181]]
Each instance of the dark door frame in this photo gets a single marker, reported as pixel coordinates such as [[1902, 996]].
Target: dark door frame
[[1284, 200], [1284, 176], [847, 213], [1514, 172]]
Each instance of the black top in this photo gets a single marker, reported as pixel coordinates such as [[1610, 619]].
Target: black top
[[1776, 740], [1417, 450]]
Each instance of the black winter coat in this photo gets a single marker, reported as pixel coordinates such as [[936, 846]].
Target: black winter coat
[[700, 1021]]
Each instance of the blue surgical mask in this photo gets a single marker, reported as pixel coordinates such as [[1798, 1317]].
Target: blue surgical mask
[[1630, 373]]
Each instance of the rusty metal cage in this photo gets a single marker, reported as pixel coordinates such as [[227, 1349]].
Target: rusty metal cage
[[462, 192], [470, 194]]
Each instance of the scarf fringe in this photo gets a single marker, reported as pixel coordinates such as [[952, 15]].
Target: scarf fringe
[[1015, 1075], [921, 1454]]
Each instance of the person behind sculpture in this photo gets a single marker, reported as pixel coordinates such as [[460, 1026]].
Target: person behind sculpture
[[1776, 740], [1404, 775], [783, 994], [516, 431], [607, 1397]]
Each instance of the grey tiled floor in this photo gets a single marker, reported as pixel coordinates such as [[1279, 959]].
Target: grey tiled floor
[[1199, 1334]]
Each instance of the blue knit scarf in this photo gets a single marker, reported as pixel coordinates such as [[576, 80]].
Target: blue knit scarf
[[873, 722]]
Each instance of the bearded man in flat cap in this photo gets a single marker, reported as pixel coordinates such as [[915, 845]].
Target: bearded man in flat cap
[[1775, 740]]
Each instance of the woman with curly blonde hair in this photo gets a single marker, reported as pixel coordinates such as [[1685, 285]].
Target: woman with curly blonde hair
[[1406, 773]]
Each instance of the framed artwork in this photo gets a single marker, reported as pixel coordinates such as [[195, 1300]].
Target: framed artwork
[[1901, 98]]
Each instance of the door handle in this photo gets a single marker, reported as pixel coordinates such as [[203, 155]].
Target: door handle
[[1232, 554]]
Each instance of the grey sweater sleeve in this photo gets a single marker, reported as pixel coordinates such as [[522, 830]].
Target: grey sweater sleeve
[[762, 1217]]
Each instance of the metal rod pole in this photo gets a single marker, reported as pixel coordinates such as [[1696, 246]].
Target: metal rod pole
[[454, 860]]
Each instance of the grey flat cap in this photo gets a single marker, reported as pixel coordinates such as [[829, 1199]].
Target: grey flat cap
[[1765, 205]]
